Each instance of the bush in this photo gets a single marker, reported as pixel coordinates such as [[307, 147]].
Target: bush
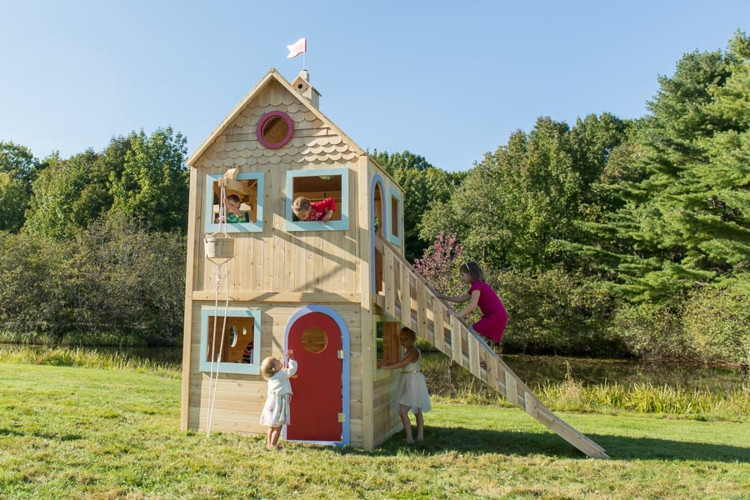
[[651, 330], [716, 325], [114, 283], [553, 312], [712, 326]]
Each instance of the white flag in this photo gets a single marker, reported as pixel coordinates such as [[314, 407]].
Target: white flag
[[297, 48]]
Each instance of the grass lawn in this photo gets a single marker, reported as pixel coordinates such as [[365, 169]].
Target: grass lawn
[[68, 432]]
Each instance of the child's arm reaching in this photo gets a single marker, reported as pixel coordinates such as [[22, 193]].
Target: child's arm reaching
[[459, 298], [291, 367], [409, 357], [470, 307]]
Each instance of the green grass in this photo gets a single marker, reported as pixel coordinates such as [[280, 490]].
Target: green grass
[[72, 432]]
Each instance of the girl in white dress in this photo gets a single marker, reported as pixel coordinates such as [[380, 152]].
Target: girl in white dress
[[412, 390], [276, 409]]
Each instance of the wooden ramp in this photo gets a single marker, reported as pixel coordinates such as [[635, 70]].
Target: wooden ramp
[[408, 297]]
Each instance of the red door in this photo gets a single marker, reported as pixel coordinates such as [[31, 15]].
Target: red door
[[315, 339]]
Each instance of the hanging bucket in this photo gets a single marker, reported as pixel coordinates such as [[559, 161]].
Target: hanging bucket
[[219, 247]]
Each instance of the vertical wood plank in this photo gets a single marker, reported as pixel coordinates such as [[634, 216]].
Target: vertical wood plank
[[531, 405], [309, 252], [422, 313], [510, 388], [473, 348], [456, 352], [368, 347], [300, 264], [439, 324], [191, 269], [390, 284], [405, 296], [290, 267], [263, 261]]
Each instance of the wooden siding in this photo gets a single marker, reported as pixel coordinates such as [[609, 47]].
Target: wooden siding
[[239, 398]]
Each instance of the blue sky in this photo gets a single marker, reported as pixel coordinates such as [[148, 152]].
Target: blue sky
[[447, 80]]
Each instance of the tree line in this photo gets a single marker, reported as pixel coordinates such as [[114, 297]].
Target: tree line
[[604, 237], [611, 236]]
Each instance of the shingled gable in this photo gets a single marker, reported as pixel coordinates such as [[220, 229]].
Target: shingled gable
[[308, 147]]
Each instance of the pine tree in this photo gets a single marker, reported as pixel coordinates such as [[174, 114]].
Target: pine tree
[[686, 220]]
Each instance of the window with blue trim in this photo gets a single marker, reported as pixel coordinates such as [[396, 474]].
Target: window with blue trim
[[238, 349], [327, 195], [244, 203], [395, 206]]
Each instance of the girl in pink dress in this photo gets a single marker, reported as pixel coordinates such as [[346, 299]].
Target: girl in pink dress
[[494, 315]]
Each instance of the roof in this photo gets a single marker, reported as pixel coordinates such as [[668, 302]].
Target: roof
[[271, 76]]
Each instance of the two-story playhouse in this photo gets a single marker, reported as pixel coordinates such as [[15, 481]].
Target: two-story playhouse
[[336, 293]]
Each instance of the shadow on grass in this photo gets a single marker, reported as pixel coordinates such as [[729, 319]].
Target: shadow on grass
[[41, 435], [461, 440]]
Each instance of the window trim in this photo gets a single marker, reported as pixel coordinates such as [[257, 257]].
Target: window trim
[[238, 227], [395, 239], [234, 312], [334, 225], [262, 122], [377, 180]]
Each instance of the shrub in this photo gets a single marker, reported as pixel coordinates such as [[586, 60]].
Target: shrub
[[114, 283], [651, 330], [554, 312], [716, 325]]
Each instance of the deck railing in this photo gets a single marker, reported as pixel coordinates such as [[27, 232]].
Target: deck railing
[[409, 298]]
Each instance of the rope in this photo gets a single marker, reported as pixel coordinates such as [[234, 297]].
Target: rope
[[213, 378]]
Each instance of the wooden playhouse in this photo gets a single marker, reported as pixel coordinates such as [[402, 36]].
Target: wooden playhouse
[[336, 293]]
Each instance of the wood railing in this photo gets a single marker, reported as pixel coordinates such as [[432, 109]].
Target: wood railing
[[410, 299]]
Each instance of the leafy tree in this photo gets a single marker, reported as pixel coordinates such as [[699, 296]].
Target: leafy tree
[[57, 208], [423, 185], [142, 177], [18, 162], [154, 181], [13, 202], [515, 202], [18, 168]]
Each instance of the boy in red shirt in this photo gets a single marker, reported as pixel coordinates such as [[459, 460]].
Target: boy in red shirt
[[305, 210]]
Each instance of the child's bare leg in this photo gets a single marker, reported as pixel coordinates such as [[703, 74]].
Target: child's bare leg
[[268, 437], [403, 412], [420, 426], [275, 433]]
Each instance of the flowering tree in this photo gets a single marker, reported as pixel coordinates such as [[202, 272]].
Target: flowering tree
[[440, 263]]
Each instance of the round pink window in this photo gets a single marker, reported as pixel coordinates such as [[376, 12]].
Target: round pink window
[[275, 129]]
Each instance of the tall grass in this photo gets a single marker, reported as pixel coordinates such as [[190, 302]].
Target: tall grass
[[85, 357], [646, 398], [454, 383]]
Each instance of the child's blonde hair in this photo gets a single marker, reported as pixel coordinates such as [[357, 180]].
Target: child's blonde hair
[[267, 367], [300, 204], [410, 332], [473, 270]]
